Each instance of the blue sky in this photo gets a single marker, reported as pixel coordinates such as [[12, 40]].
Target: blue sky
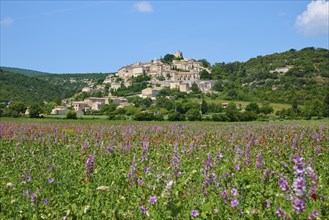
[[102, 36]]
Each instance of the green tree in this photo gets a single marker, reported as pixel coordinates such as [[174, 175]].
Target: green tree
[[266, 109], [168, 58], [205, 63], [71, 115], [35, 111], [18, 107], [253, 107], [218, 86], [193, 115], [176, 116], [204, 107], [195, 88]]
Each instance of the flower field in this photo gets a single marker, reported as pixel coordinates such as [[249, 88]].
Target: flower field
[[164, 171]]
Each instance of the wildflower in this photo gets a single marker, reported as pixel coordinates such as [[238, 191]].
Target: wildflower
[[194, 213], [45, 201], [259, 161], [33, 197], [28, 178], [299, 166], [237, 167], [313, 214], [298, 205], [146, 170], [103, 188], [143, 209], [153, 200], [224, 194], [9, 185], [208, 163], [283, 184], [281, 213], [220, 155], [215, 210], [234, 192], [268, 203], [50, 180], [85, 181], [234, 203], [299, 186], [313, 196], [90, 165], [140, 181]]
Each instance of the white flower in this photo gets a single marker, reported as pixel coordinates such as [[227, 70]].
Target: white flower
[[10, 185], [103, 188]]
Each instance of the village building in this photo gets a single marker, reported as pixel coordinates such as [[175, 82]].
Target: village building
[[150, 92], [59, 110]]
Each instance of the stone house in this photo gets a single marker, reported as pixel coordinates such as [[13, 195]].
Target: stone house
[[59, 110]]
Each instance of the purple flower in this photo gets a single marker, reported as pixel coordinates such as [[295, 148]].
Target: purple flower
[[298, 205], [208, 163], [259, 161], [313, 214], [140, 181], [28, 178], [268, 203], [33, 197], [234, 192], [153, 200], [283, 184], [299, 186], [281, 213], [45, 201], [224, 194], [237, 167], [220, 155], [90, 165], [234, 203], [311, 174], [50, 180], [146, 170], [299, 166], [143, 209], [194, 213]]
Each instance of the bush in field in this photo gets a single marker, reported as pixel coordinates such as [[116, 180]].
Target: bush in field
[[144, 116], [71, 115], [176, 116], [194, 115]]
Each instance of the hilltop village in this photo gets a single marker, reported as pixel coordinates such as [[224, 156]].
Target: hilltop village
[[178, 73]]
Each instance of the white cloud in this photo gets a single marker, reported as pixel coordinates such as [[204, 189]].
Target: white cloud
[[315, 20], [143, 7], [6, 22]]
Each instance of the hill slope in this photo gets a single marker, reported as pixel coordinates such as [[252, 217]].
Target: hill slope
[[281, 77], [25, 72], [26, 89]]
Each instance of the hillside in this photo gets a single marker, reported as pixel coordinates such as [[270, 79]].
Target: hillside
[[26, 89], [25, 72], [281, 77], [29, 88]]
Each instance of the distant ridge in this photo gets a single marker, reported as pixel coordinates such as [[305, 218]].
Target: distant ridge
[[25, 72]]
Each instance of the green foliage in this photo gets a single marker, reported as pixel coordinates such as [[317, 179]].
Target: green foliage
[[193, 115], [18, 107], [71, 115], [195, 88], [176, 116], [204, 107], [204, 75], [35, 111], [253, 107], [23, 71], [168, 58], [205, 63]]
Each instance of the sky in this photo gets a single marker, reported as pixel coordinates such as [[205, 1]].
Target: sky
[[103, 36]]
